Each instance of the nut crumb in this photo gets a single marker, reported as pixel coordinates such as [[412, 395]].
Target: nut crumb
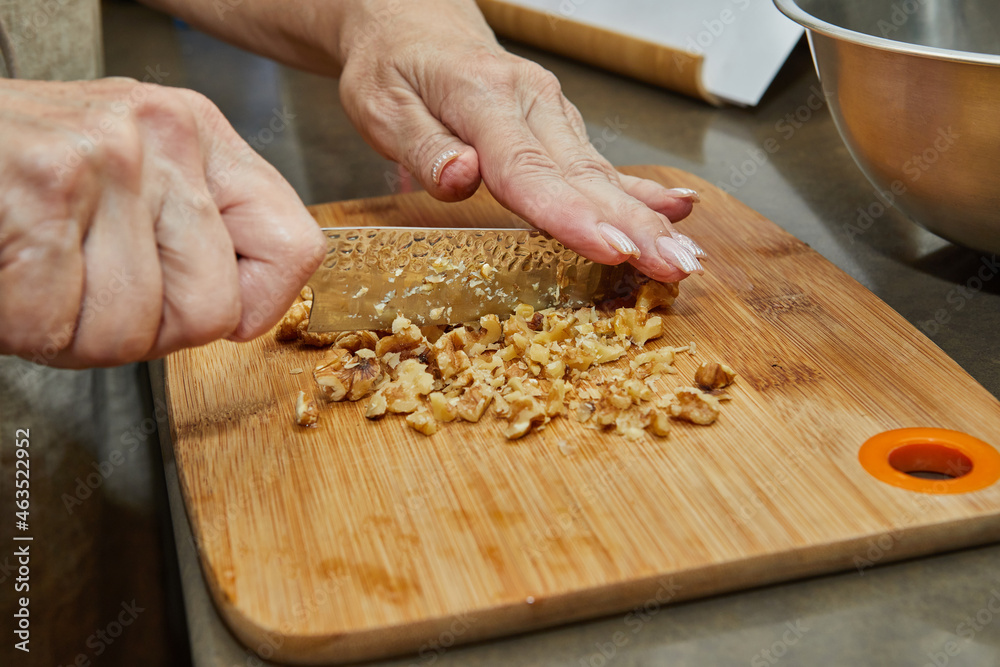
[[306, 412]]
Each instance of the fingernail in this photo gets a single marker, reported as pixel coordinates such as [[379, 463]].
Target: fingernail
[[440, 163], [674, 253], [618, 240], [684, 193], [689, 244]]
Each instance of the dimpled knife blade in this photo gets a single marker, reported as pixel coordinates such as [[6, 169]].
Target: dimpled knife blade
[[450, 276]]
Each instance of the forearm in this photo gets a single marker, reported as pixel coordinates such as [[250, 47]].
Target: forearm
[[312, 35]]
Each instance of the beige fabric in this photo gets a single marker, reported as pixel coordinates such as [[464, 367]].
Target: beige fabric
[[56, 40]]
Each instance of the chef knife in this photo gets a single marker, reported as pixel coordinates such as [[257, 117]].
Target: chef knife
[[448, 276]]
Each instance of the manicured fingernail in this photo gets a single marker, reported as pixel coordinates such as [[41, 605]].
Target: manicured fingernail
[[617, 239], [689, 244], [674, 253], [684, 193], [440, 163]]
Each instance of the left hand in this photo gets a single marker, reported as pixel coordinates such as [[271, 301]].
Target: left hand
[[429, 86]]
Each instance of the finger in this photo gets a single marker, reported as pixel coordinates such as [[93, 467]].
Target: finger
[[557, 124], [201, 287], [576, 173], [41, 285], [674, 203], [403, 129], [120, 310], [278, 242]]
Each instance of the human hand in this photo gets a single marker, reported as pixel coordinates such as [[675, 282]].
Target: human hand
[[134, 221], [429, 87]]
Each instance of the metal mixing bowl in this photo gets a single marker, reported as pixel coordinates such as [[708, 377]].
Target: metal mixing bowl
[[914, 88]]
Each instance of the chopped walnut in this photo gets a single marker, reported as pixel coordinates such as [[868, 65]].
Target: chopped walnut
[[448, 361], [653, 362], [288, 327], [306, 412], [377, 406], [474, 401], [629, 425], [637, 326], [531, 368], [556, 402], [405, 341], [344, 375], [315, 338], [712, 375], [491, 331], [422, 421], [353, 341], [656, 421], [444, 409], [526, 412], [403, 395], [694, 406], [654, 295]]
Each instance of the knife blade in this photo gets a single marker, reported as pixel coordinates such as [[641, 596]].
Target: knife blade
[[449, 276]]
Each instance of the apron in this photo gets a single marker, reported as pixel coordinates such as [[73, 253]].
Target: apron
[[96, 483]]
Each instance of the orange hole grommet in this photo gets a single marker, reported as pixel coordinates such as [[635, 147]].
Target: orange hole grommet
[[970, 463]]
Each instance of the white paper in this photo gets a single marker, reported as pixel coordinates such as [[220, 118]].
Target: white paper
[[744, 42]]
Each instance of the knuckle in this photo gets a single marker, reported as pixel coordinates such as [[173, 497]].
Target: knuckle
[[585, 167], [170, 112], [528, 162], [542, 81]]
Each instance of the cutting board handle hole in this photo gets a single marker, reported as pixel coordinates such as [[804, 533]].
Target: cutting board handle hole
[[931, 460], [927, 460]]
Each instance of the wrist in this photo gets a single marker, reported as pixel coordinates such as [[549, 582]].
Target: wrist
[[364, 23]]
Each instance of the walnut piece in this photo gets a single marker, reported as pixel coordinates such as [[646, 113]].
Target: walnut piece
[[422, 421], [306, 412], [353, 341], [314, 338], [444, 409], [636, 325], [448, 361], [474, 401], [713, 375], [654, 295], [694, 406], [405, 341], [288, 327], [526, 412], [344, 375], [403, 395], [377, 407]]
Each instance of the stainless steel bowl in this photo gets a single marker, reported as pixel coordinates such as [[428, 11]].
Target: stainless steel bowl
[[914, 88]]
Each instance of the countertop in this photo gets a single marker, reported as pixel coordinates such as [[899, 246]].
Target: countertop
[[942, 610]]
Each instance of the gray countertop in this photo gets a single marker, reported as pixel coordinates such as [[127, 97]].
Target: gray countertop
[[942, 610]]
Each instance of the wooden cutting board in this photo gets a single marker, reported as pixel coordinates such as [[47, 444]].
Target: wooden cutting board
[[359, 540]]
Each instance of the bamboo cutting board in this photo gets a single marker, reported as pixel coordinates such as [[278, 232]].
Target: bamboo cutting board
[[359, 540]]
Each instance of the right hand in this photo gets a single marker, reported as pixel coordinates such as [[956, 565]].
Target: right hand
[[134, 221]]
